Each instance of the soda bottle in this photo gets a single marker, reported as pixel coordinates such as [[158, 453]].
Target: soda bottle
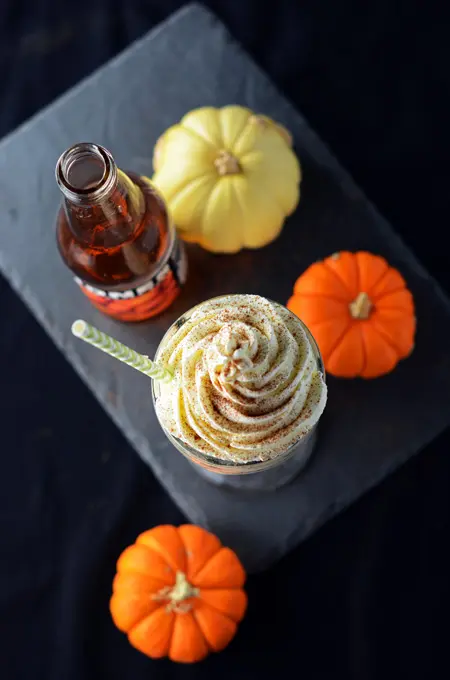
[[114, 233]]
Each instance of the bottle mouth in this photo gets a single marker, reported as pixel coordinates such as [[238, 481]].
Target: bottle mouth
[[86, 172]]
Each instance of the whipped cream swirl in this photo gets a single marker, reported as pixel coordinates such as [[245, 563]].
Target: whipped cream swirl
[[247, 383]]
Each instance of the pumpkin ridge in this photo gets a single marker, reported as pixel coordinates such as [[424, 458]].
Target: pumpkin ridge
[[205, 209], [240, 135], [380, 296], [190, 573], [394, 308], [214, 644], [358, 275], [276, 202], [214, 609], [376, 283], [222, 127], [161, 549], [132, 570], [201, 633], [249, 155], [378, 328], [136, 625], [232, 563], [117, 586], [196, 135], [143, 569], [321, 296], [337, 314], [388, 341], [281, 209], [238, 201], [206, 648], [184, 186], [364, 347], [337, 342], [338, 277]]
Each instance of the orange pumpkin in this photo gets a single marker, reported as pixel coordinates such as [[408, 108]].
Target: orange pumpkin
[[359, 311], [178, 593]]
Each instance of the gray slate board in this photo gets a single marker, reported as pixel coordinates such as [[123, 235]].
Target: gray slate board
[[369, 428]]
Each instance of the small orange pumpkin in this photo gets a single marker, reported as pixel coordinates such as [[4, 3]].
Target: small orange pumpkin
[[359, 311], [178, 593]]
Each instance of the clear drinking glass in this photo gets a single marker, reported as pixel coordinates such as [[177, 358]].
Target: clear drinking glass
[[254, 475]]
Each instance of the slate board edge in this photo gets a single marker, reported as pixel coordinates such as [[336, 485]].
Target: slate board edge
[[67, 346], [191, 509], [67, 350], [323, 153]]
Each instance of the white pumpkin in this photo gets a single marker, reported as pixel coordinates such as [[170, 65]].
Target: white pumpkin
[[229, 176]]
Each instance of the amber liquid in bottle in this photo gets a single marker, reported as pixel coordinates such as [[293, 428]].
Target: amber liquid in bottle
[[114, 233]]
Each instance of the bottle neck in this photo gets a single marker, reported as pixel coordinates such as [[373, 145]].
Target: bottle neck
[[103, 205], [86, 174]]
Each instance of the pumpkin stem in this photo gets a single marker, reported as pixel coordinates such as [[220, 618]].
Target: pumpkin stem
[[226, 163], [181, 591], [361, 306]]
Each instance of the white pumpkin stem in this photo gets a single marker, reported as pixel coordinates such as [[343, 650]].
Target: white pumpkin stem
[[226, 163], [176, 596], [361, 306]]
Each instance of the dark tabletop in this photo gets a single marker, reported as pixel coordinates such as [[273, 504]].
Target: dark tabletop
[[368, 595]]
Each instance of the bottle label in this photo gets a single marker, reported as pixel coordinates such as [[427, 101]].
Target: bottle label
[[147, 300]]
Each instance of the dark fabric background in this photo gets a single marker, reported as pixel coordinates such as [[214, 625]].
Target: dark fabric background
[[366, 597]]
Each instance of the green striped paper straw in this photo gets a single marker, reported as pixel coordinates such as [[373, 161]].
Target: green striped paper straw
[[107, 344]]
